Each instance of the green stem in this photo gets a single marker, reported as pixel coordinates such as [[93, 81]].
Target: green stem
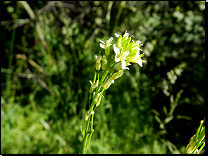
[[91, 131], [8, 77], [84, 141], [84, 144], [100, 83], [118, 14], [85, 132], [108, 15], [93, 83]]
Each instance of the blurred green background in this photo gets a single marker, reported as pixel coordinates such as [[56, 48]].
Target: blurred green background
[[47, 62]]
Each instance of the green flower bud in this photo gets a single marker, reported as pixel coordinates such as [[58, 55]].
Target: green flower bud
[[106, 45], [107, 83], [104, 62], [98, 62], [117, 74], [110, 80], [98, 98], [93, 86], [88, 113]]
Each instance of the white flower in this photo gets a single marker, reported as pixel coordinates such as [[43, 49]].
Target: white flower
[[102, 44], [139, 43], [126, 35], [117, 52], [125, 50], [117, 35], [106, 45], [120, 56], [137, 59]]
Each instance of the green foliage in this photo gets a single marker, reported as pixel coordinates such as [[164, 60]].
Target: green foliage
[[197, 142], [48, 59]]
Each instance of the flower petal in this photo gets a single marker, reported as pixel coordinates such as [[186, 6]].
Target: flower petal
[[126, 35], [125, 54], [140, 62], [110, 40], [116, 49], [102, 41], [117, 59], [102, 45], [117, 35], [123, 63]]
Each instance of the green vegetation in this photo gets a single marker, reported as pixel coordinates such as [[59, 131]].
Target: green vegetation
[[197, 142], [47, 61]]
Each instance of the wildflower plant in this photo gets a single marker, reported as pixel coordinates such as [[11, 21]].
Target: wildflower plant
[[109, 67], [197, 142]]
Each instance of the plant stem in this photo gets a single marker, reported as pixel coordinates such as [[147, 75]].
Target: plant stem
[[8, 77], [100, 83], [118, 15], [85, 129]]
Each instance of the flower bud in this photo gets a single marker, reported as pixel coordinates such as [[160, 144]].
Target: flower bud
[[107, 83], [106, 45], [93, 86], [110, 80], [104, 62], [117, 74], [88, 113], [98, 99], [98, 62]]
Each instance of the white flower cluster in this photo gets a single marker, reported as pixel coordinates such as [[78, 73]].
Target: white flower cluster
[[125, 50]]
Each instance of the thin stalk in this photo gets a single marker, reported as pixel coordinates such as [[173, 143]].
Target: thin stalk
[[28, 9], [91, 126], [84, 142], [8, 77], [83, 145], [95, 75], [118, 14], [108, 15], [91, 131]]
